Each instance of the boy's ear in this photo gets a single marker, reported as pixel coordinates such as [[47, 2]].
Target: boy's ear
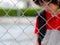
[[40, 3]]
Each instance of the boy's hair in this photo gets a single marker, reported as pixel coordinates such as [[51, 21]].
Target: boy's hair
[[39, 2]]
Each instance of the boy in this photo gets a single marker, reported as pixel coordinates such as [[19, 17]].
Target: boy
[[48, 34]]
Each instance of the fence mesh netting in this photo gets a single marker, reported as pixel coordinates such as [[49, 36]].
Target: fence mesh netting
[[19, 29]]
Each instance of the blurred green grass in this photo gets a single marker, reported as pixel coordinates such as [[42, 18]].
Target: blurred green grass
[[13, 12]]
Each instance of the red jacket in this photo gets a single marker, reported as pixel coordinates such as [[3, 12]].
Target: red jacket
[[52, 22], [53, 29]]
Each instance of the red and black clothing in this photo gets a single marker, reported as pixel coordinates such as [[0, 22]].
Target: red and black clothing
[[52, 36]]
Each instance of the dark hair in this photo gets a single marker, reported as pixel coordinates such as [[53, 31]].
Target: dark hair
[[39, 2]]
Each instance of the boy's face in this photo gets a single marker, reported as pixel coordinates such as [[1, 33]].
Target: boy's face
[[52, 6]]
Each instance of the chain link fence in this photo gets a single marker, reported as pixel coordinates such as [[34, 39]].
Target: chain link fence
[[15, 27]]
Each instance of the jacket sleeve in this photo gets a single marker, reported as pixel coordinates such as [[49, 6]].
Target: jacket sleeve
[[36, 26]]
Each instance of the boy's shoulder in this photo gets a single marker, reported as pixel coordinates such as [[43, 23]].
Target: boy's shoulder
[[41, 14]]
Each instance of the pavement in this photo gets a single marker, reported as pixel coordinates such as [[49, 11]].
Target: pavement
[[17, 20]]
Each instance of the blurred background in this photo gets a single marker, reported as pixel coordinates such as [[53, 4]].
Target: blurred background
[[17, 22]]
